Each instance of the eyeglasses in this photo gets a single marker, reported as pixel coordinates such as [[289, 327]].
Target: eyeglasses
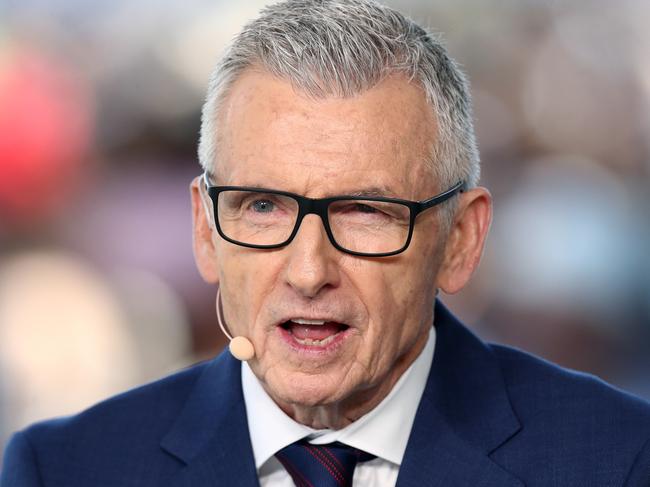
[[358, 225]]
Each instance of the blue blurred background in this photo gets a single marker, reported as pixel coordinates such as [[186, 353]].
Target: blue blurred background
[[99, 116]]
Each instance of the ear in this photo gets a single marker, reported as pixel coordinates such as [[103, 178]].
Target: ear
[[205, 254], [466, 240]]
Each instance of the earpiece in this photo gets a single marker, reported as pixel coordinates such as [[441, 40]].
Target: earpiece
[[240, 347]]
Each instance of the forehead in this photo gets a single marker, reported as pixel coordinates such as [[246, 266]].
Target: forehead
[[273, 135]]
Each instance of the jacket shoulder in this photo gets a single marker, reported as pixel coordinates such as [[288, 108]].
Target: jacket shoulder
[[573, 425], [120, 434], [142, 407], [536, 385]]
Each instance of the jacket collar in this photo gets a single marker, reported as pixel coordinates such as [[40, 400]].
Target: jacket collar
[[210, 435], [464, 415]]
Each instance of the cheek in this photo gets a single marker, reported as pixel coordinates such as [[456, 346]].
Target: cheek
[[383, 290], [245, 279], [399, 298]]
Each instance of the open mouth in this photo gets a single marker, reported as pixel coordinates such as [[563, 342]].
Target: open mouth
[[313, 333]]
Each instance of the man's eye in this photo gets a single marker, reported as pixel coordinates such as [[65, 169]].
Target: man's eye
[[263, 206], [363, 208]]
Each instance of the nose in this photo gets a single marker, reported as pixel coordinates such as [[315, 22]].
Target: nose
[[311, 265]]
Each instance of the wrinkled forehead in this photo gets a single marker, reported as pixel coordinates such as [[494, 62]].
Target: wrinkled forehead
[[267, 128]]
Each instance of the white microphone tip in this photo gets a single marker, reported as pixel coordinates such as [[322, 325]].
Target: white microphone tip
[[241, 348]]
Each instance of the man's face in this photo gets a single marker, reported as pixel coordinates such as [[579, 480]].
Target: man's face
[[379, 309]]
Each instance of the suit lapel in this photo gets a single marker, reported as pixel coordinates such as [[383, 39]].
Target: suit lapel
[[210, 437], [464, 415]]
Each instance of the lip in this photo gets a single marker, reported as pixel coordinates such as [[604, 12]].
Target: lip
[[330, 348]]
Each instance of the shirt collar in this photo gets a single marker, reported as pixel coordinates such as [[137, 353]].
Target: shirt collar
[[383, 432]]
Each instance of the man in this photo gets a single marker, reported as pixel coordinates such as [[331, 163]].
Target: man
[[339, 197]]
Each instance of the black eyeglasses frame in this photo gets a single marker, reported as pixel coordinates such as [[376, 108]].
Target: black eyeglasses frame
[[319, 206]]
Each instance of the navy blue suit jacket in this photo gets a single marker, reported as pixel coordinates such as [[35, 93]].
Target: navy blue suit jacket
[[490, 416]]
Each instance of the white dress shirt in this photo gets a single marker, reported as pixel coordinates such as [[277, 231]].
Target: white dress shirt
[[383, 432]]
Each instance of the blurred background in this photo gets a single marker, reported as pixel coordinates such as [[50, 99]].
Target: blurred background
[[99, 116]]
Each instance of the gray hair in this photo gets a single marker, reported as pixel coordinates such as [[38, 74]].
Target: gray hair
[[341, 48]]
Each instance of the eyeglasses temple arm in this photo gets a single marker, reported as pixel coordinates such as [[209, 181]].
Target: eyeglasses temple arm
[[459, 187], [203, 192]]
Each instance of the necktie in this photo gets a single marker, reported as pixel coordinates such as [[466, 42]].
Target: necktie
[[330, 465]]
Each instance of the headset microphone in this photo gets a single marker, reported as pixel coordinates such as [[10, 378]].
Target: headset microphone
[[240, 347]]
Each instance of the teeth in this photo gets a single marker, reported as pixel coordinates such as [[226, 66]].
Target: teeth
[[303, 321], [319, 343]]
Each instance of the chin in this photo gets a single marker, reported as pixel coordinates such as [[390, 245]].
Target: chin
[[306, 390]]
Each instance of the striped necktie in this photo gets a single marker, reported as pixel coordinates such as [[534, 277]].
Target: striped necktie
[[330, 465]]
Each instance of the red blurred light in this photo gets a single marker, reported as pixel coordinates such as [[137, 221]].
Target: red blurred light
[[45, 130]]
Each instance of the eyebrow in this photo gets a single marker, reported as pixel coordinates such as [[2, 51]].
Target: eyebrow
[[380, 191], [372, 191]]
